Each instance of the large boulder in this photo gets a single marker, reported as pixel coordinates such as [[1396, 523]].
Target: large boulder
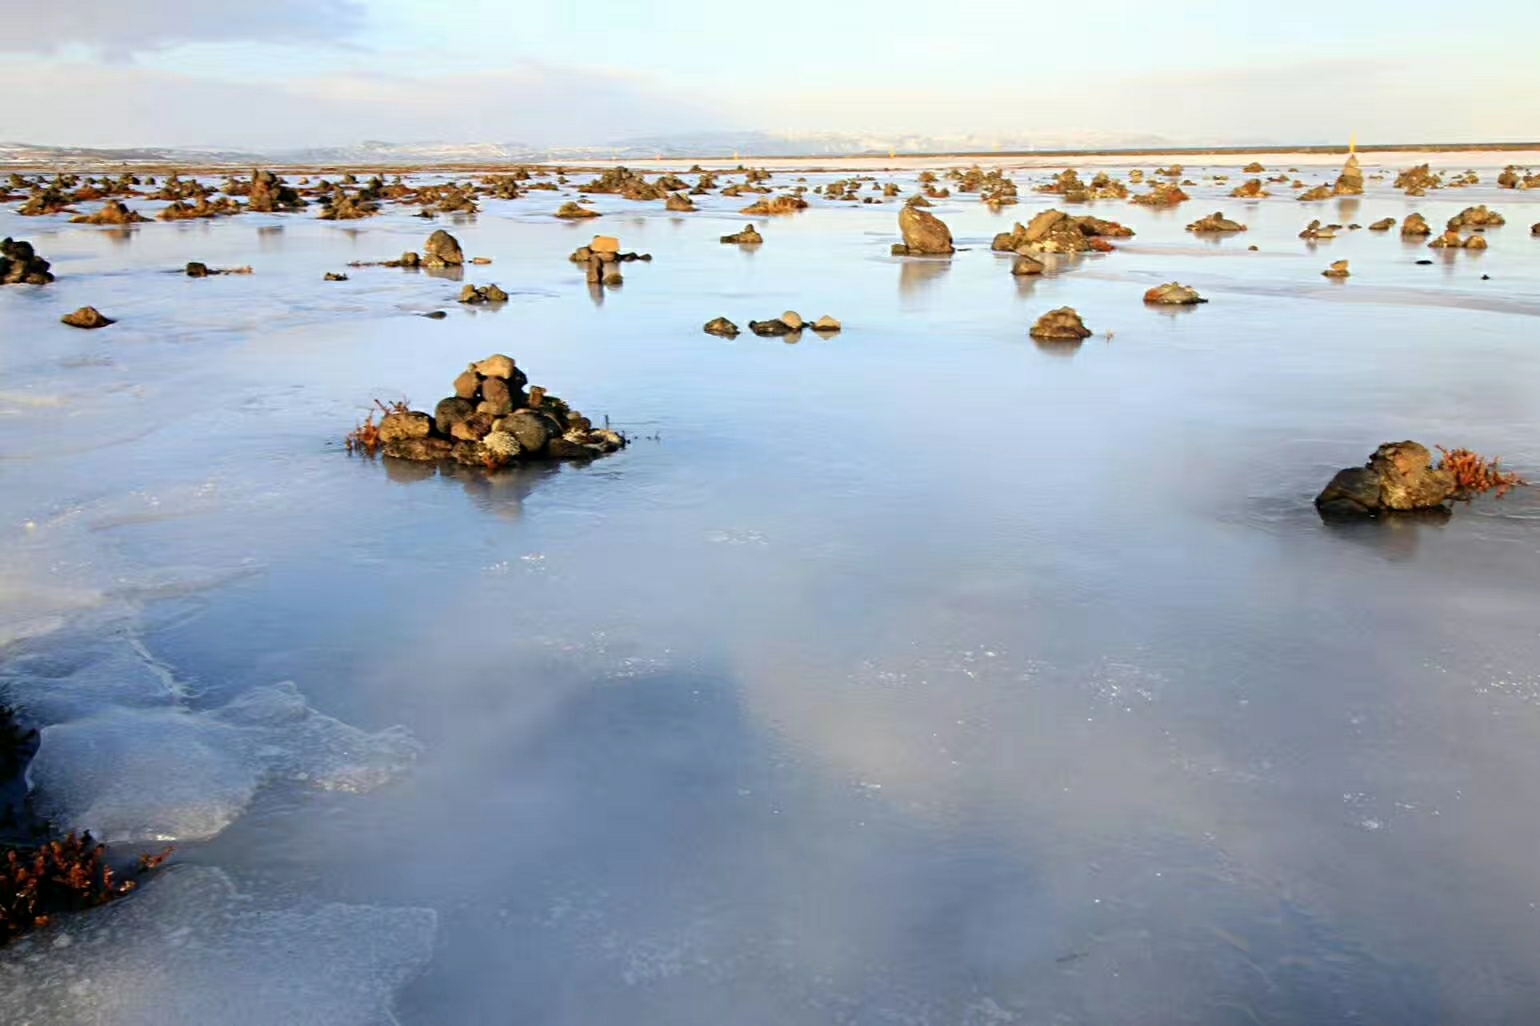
[[442, 250], [20, 264], [1061, 325], [924, 233], [1400, 476]]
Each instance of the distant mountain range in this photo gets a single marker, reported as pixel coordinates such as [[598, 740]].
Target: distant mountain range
[[699, 144]]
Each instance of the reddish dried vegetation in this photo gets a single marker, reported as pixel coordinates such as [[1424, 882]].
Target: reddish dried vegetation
[[1474, 473], [366, 437], [60, 876]]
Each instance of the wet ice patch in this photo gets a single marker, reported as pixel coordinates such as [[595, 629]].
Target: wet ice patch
[[187, 950], [74, 680], [138, 775]]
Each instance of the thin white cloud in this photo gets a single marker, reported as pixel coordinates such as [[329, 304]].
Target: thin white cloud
[[121, 29]]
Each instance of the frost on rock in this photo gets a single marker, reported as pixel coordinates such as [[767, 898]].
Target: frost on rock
[[187, 950], [139, 775]]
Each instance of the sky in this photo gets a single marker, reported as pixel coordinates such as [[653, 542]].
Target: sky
[[296, 73]]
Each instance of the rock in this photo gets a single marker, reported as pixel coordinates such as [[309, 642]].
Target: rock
[[792, 319], [472, 428], [1251, 189], [409, 259], [722, 328], [496, 397], [776, 206], [1415, 225], [442, 250], [1253, 168], [1317, 194], [333, 276], [604, 244], [1058, 325], [436, 315], [1477, 218], [268, 194], [112, 212], [422, 450], [1384, 224], [477, 294], [450, 412], [1216, 222], [1399, 477], [20, 264], [87, 317], [531, 430], [679, 202], [1418, 180], [612, 276], [1338, 269], [1351, 181], [771, 328], [467, 383], [924, 233], [571, 211], [1162, 194], [747, 237], [398, 426], [825, 325], [1476, 242], [1024, 265], [1040, 225], [196, 269], [499, 366], [1315, 230], [1173, 294]]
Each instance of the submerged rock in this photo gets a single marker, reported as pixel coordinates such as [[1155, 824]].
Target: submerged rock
[[1025, 265], [773, 328], [721, 327], [1173, 294], [477, 294], [1384, 224], [571, 211], [776, 205], [1338, 269], [87, 317], [924, 234], [747, 237], [1216, 222], [1060, 325], [1315, 230], [1400, 476], [20, 264]]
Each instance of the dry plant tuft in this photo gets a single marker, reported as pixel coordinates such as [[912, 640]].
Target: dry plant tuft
[[1474, 473]]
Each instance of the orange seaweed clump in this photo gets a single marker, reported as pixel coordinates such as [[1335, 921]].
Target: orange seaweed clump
[[1474, 473], [61, 876], [366, 437]]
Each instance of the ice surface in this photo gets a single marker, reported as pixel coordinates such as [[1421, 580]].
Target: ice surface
[[187, 950], [176, 775]]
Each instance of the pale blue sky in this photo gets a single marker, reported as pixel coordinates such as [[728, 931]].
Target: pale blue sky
[[316, 72]]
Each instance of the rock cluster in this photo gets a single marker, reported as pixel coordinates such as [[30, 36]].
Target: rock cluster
[[1513, 177], [112, 212], [747, 237], [268, 194], [602, 258], [1162, 194], [1451, 240], [490, 421], [1351, 181], [476, 295], [789, 323], [924, 234], [87, 317], [1054, 231], [1216, 222], [202, 208], [1315, 231], [1476, 218], [1173, 294], [776, 205], [1400, 476], [20, 264], [1061, 325], [1418, 180]]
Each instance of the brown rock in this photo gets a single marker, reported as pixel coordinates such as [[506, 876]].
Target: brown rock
[[442, 250], [419, 449], [747, 237], [1399, 477], [1338, 269], [1173, 294], [496, 366], [467, 383], [722, 328], [87, 317], [396, 427], [571, 211], [1063, 324], [1216, 222], [924, 233], [530, 429]]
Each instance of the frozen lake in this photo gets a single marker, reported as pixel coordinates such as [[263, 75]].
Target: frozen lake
[[920, 675]]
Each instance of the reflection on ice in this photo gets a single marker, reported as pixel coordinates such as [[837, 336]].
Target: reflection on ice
[[187, 950]]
